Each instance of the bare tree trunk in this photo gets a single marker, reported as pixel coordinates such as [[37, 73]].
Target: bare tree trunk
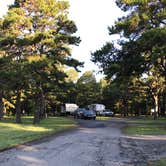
[[42, 105], [156, 106], [36, 119], [18, 107], [2, 107], [40, 112]]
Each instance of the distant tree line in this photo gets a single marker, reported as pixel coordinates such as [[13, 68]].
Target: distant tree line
[[38, 73]]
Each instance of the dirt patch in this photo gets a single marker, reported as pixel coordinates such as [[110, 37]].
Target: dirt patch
[[140, 151]]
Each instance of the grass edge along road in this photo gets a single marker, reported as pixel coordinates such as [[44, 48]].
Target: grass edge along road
[[103, 118], [149, 120], [145, 130], [161, 162], [146, 126], [12, 134]]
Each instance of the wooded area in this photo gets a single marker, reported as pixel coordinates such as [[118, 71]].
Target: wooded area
[[35, 56], [34, 48], [136, 64]]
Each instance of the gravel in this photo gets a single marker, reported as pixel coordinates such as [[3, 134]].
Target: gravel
[[94, 143]]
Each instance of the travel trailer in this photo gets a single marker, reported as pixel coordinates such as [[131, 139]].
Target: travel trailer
[[98, 108], [68, 108]]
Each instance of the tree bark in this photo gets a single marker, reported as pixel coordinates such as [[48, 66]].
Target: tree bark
[[1, 105], [125, 103], [163, 110], [42, 105], [36, 119], [156, 107], [18, 107], [40, 112]]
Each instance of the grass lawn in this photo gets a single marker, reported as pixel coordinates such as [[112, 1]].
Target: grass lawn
[[102, 118], [161, 162], [149, 120], [145, 130], [146, 126], [12, 134]]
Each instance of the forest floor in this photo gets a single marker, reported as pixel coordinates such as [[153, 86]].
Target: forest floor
[[99, 143]]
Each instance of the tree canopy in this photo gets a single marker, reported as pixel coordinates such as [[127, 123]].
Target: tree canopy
[[141, 47], [35, 39]]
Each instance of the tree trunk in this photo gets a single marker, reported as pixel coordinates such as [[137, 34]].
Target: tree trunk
[[163, 109], [42, 105], [36, 119], [2, 107], [40, 112], [18, 107], [147, 108], [125, 104], [156, 107]]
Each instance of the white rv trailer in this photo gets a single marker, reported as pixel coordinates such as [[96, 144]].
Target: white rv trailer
[[68, 108], [98, 108]]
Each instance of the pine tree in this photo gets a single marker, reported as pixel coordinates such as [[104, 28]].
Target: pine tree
[[37, 35]]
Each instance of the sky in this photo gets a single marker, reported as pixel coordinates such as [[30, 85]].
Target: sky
[[92, 18]]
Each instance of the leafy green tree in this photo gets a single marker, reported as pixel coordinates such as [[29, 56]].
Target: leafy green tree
[[155, 84], [18, 79], [39, 33], [11, 30], [141, 46], [72, 75], [88, 90], [3, 80]]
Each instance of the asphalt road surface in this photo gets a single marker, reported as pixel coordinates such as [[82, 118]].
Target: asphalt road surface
[[93, 143]]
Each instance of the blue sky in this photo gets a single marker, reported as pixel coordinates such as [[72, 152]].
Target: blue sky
[[92, 18]]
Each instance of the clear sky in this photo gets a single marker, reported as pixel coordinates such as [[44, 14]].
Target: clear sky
[[92, 18]]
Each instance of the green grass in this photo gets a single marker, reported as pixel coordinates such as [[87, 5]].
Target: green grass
[[12, 134], [145, 130], [102, 118], [161, 162], [149, 120]]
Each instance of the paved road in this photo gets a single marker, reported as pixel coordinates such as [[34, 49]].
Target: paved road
[[94, 143]]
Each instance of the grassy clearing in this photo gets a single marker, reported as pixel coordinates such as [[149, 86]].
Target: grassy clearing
[[149, 120], [145, 130], [102, 118], [12, 134], [161, 162]]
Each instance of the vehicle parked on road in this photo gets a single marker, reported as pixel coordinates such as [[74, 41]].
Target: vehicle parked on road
[[83, 113], [78, 112], [89, 114], [107, 112]]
